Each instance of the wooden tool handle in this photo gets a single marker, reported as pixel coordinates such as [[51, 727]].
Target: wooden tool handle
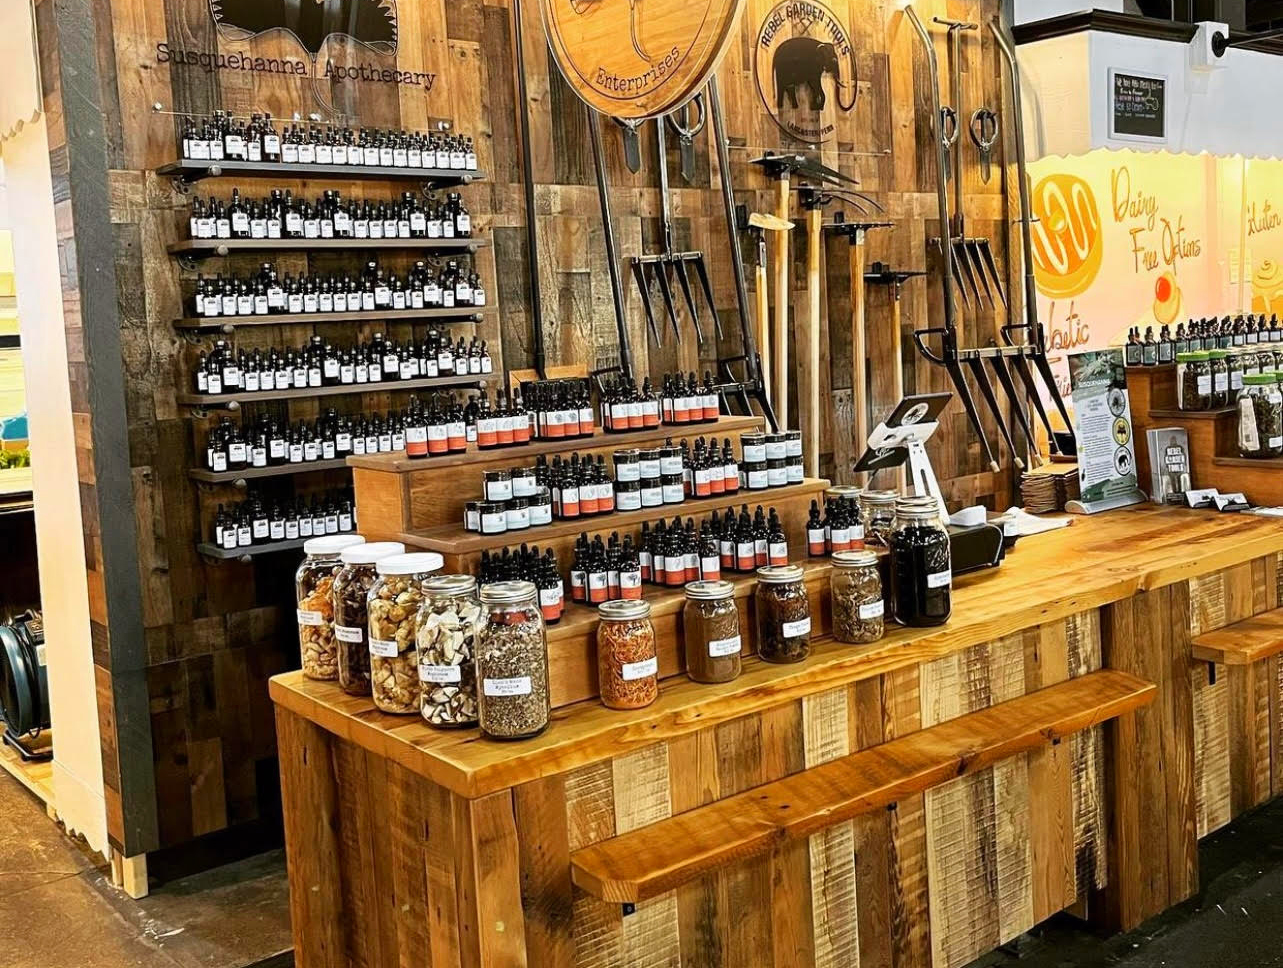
[[781, 400], [763, 305], [859, 380], [814, 218]]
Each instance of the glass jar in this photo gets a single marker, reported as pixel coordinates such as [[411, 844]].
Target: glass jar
[[1219, 366], [753, 446], [314, 596], [446, 638], [512, 662], [1260, 417], [1250, 360], [711, 630], [1193, 381], [393, 608], [783, 614], [856, 586], [921, 569], [877, 511], [627, 666], [351, 621], [498, 485]]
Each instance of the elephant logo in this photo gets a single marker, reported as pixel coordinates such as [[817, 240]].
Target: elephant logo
[[806, 69]]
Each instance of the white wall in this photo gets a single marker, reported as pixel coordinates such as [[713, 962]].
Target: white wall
[[64, 593]]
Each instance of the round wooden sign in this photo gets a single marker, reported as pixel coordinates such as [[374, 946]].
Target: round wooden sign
[[638, 58]]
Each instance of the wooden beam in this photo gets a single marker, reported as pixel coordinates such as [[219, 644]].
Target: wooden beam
[[666, 855]]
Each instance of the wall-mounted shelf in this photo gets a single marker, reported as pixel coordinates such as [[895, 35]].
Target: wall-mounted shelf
[[210, 550], [461, 314], [239, 477], [234, 401], [206, 248], [192, 171]]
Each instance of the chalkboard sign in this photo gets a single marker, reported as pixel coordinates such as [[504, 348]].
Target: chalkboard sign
[[1137, 106]]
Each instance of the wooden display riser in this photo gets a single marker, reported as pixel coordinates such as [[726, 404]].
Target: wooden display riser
[[1105, 818], [1213, 439], [395, 494]]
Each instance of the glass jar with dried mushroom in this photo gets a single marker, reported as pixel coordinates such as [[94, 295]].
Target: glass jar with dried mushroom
[[313, 586], [447, 639], [393, 608], [351, 622], [783, 614], [856, 587], [877, 511], [711, 629], [627, 666], [512, 662]]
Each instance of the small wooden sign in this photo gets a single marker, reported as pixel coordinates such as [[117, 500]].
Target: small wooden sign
[[638, 58]]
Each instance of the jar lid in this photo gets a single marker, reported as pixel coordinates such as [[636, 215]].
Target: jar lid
[[652, 454], [450, 584], [753, 436], [627, 456], [880, 497], [490, 507], [419, 563], [1258, 379], [777, 574], [508, 592], [775, 437], [622, 608], [854, 559], [368, 554], [709, 591], [517, 503], [498, 475], [1218, 354], [793, 434], [331, 544]]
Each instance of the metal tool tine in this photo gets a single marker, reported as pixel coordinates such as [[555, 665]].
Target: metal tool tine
[[985, 248], [1018, 406], [968, 404], [978, 269], [702, 271], [961, 259], [986, 390], [1044, 368], [957, 278], [1021, 366], [640, 275], [679, 268], [666, 290]]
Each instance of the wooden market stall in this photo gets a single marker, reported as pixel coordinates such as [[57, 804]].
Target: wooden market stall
[[1059, 744]]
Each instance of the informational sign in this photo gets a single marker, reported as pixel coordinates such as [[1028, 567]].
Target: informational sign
[[1137, 106], [1103, 429]]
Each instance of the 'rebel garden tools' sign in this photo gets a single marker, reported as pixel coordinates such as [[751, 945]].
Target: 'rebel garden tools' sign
[[638, 58], [805, 69]]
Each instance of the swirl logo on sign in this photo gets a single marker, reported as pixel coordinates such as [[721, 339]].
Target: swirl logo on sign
[[1267, 287], [1067, 238]]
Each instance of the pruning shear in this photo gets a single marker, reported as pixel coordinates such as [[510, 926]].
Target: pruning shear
[[948, 137], [686, 135], [984, 135]]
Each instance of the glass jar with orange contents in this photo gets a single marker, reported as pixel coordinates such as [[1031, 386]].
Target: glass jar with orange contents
[[627, 665]]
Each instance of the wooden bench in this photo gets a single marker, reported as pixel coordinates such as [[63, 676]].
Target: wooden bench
[[1242, 643], [660, 857]]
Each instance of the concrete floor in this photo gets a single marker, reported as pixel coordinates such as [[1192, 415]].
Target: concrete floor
[[57, 910]]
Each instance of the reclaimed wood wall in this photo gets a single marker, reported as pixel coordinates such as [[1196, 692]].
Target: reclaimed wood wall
[[185, 645], [938, 880]]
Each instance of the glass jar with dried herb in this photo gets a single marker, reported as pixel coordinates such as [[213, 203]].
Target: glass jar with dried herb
[[512, 662], [1260, 417], [921, 564], [711, 630], [1218, 363], [856, 590], [1193, 381], [314, 596], [783, 614], [351, 621], [627, 665], [877, 511], [446, 640], [393, 608]]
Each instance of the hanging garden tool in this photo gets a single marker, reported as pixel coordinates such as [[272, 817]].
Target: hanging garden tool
[[975, 255], [758, 224], [983, 130], [879, 274], [1034, 333], [687, 133], [632, 143]]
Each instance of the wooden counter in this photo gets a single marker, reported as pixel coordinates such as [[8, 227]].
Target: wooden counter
[[405, 839]]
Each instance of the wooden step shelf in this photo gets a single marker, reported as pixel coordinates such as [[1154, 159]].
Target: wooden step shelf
[[240, 476], [205, 248], [211, 550], [397, 494], [228, 324], [234, 401], [188, 170], [462, 549], [663, 856], [1242, 643]]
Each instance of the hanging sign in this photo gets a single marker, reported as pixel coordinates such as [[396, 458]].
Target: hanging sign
[[638, 58], [1137, 106]]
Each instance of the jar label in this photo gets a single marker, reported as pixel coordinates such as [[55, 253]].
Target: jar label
[[872, 609], [384, 648], [439, 674], [1204, 385], [639, 670], [940, 579], [516, 686], [792, 630], [717, 648], [309, 617], [345, 633]]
